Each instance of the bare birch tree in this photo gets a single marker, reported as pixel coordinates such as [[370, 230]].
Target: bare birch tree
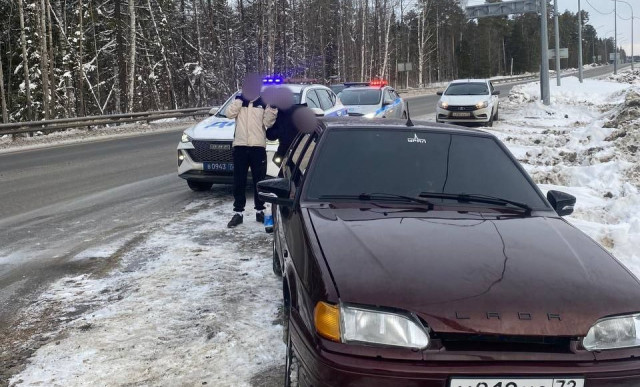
[[132, 54], [25, 61]]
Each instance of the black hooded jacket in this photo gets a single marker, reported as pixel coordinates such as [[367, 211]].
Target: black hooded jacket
[[283, 129]]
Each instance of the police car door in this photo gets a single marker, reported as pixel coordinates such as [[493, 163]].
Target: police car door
[[329, 103], [389, 105]]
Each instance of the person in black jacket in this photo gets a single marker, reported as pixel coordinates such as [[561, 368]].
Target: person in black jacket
[[284, 129]]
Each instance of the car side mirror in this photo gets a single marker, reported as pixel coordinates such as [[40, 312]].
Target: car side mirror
[[318, 112], [562, 202], [214, 110], [275, 191], [496, 92], [439, 93], [386, 103]]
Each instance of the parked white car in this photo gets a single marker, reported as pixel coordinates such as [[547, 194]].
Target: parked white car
[[468, 100], [205, 150]]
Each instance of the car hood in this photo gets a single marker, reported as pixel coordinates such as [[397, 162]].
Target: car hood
[[516, 276], [362, 109], [213, 128], [462, 100]]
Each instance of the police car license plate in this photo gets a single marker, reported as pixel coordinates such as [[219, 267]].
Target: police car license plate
[[224, 167], [459, 114], [516, 382]]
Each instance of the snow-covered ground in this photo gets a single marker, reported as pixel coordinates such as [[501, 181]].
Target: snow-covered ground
[[586, 143], [196, 303]]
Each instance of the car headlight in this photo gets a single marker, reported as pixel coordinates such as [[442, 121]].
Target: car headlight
[[354, 324], [443, 105], [613, 333], [185, 138], [369, 115], [482, 105]]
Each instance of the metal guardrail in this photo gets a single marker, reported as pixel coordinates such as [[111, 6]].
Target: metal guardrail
[[79, 122]]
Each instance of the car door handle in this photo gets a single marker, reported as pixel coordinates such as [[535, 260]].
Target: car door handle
[[286, 254]]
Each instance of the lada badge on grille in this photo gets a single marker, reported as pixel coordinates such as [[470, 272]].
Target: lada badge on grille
[[220, 146]]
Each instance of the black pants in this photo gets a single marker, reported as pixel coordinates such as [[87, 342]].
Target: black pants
[[245, 157]]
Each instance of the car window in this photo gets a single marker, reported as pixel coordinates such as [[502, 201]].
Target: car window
[[430, 162], [301, 166], [222, 111], [325, 99], [491, 88], [388, 96], [294, 155], [333, 98], [312, 99], [467, 88], [350, 96]]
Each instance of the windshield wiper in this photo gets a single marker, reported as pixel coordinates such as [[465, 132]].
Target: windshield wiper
[[380, 196], [479, 198]]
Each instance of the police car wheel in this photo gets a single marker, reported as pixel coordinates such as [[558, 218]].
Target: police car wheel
[[199, 186]]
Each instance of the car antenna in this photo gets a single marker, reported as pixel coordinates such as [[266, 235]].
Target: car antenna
[[409, 122]]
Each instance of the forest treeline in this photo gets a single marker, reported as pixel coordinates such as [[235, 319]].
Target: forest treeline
[[67, 58]]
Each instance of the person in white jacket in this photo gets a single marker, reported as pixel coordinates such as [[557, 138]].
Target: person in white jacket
[[253, 118]]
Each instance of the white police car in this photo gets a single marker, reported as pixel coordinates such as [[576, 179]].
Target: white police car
[[205, 150], [373, 99]]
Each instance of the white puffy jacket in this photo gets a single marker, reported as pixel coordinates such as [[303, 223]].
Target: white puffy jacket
[[253, 118]]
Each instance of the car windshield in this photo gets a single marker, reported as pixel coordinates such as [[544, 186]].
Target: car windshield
[[410, 163], [360, 96], [469, 88], [223, 110]]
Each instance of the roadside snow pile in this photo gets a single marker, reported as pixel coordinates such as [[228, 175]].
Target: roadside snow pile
[[590, 93], [585, 143], [626, 76], [193, 304]]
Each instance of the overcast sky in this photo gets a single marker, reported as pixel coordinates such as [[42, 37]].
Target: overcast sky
[[601, 17]]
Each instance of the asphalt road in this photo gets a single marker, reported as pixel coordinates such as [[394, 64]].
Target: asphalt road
[[61, 201]]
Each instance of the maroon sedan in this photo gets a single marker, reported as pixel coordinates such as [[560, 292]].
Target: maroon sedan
[[426, 256]]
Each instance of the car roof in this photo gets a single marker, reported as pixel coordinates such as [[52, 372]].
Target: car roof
[[470, 80], [366, 87], [331, 123]]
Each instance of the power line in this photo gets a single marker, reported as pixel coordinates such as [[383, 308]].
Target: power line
[[598, 11]]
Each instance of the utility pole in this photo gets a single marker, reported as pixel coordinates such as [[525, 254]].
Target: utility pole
[[615, 39], [580, 42], [557, 33], [632, 58], [544, 43]]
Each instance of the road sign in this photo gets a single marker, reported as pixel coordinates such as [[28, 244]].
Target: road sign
[[564, 53], [612, 56], [405, 67], [503, 8]]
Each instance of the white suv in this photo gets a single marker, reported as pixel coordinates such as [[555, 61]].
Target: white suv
[[468, 100], [205, 150]]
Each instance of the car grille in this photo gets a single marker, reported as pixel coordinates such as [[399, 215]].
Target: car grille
[[223, 152], [468, 108], [471, 342]]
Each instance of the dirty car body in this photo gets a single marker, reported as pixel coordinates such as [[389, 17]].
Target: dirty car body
[[434, 260]]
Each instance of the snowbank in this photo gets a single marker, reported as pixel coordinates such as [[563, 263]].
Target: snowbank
[[590, 93], [586, 143]]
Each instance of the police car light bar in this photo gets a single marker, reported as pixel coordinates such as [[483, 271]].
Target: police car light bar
[[378, 82], [272, 81]]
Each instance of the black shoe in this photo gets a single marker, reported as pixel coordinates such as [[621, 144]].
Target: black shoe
[[260, 217], [235, 221]]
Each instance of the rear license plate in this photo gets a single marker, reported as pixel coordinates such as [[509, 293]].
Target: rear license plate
[[516, 382], [458, 114], [225, 167]]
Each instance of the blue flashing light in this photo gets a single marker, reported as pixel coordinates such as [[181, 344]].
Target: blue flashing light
[[272, 80]]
